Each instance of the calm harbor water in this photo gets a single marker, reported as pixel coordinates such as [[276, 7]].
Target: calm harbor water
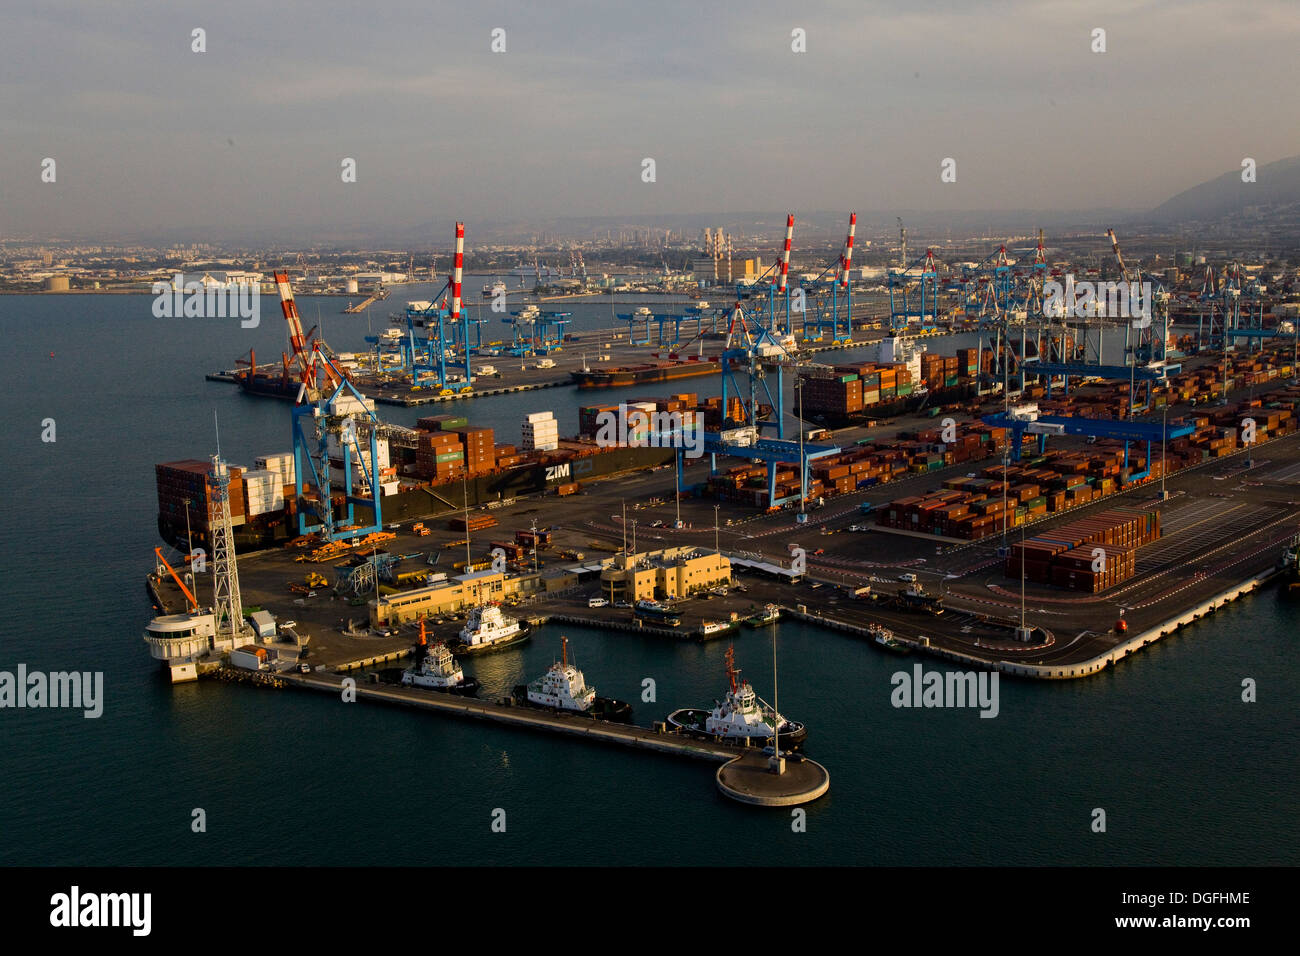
[[1187, 773]]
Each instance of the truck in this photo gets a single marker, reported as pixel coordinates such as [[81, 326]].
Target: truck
[[546, 363], [866, 508], [541, 538]]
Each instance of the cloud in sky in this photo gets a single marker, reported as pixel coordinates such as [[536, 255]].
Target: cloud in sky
[[249, 136]]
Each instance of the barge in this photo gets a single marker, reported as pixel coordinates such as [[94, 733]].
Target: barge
[[641, 374]]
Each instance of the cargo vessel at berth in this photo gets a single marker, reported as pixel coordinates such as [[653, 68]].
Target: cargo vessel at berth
[[563, 688], [269, 386], [893, 376], [741, 717], [641, 374], [428, 499]]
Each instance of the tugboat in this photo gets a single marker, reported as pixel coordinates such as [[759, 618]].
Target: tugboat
[[709, 629], [887, 639], [655, 611], [436, 669], [563, 688], [741, 717], [488, 630], [768, 614]]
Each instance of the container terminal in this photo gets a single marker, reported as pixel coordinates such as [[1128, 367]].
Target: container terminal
[[1063, 513]]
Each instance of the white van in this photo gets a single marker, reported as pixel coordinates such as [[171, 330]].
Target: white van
[[597, 602]]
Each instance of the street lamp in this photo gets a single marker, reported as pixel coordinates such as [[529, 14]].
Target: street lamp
[[1164, 434], [1024, 631], [677, 486], [803, 463]]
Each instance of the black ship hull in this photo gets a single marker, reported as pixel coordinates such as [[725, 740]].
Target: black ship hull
[[438, 500], [898, 406], [691, 721], [268, 387], [467, 688], [459, 649], [603, 708]]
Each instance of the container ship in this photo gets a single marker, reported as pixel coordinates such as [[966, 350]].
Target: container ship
[[269, 386], [267, 517], [640, 374], [901, 377]]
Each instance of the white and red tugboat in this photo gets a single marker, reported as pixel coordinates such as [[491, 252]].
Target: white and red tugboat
[[563, 688], [741, 717]]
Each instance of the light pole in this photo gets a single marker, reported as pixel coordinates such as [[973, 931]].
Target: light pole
[[1164, 434], [777, 763], [464, 490], [1295, 351], [677, 487], [716, 548], [803, 463], [1023, 632]]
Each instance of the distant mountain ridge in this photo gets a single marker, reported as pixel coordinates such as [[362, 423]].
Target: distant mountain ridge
[[1276, 190]]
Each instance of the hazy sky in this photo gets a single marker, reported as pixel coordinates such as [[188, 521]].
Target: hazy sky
[[249, 136]]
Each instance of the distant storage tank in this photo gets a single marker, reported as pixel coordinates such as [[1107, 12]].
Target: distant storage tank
[[56, 284], [351, 287]]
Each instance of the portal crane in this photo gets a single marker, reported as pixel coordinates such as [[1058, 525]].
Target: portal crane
[[306, 351]]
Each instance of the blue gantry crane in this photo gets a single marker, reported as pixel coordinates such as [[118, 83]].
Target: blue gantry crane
[[1026, 420], [914, 295], [313, 420]]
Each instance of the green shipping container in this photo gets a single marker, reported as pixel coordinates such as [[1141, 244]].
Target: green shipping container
[[450, 456], [905, 389]]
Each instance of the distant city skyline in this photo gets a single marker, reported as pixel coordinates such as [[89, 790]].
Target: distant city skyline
[[247, 139]]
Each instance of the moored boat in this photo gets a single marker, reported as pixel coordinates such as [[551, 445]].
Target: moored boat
[[716, 628], [658, 612], [436, 669], [767, 614], [740, 718], [487, 630], [564, 688], [887, 639]]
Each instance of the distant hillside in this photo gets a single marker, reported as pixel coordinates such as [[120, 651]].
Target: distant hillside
[[1275, 192]]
